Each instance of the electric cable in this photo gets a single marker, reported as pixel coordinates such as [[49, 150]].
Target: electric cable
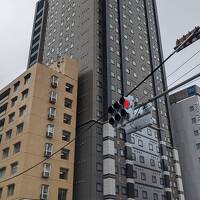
[[183, 63], [184, 74], [161, 64]]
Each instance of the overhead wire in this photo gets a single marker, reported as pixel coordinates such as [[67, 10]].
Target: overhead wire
[[42, 161]]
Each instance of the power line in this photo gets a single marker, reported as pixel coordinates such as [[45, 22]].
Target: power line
[[169, 90], [161, 64], [42, 161], [185, 74], [183, 63]]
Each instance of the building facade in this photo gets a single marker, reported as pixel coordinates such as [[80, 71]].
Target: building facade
[[37, 117], [185, 111], [118, 44]]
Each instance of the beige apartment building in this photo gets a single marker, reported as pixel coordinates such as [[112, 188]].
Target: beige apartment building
[[38, 117]]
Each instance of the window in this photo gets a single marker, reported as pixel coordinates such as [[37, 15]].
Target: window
[[144, 195], [149, 132], [154, 179], [99, 167], [124, 192], [62, 194], [134, 156], [68, 88], [198, 146], [44, 192], [155, 196], [143, 176], [152, 162], [24, 94], [8, 134], [5, 153], [193, 120], [67, 118], [99, 98], [63, 173], [13, 101], [141, 159], [191, 108], [53, 97], [99, 187], [11, 189], [134, 174], [64, 154], [17, 147], [66, 135], [50, 130], [22, 110], [151, 147], [46, 170], [16, 86], [51, 113], [68, 103], [11, 117], [117, 189], [1, 191], [27, 79], [99, 148], [135, 193], [140, 143], [54, 81], [122, 152], [20, 128], [48, 149], [13, 168], [123, 171], [196, 132], [2, 172]]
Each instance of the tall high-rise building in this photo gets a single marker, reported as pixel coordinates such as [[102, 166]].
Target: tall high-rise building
[[185, 107], [117, 44], [37, 118]]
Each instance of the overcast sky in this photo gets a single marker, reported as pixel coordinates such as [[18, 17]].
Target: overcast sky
[[176, 18]]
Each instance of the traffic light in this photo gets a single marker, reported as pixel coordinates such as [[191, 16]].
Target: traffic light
[[121, 111]]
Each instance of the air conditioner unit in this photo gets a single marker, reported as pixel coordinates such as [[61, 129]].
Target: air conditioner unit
[[43, 196], [47, 153], [49, 134], [45, 174]]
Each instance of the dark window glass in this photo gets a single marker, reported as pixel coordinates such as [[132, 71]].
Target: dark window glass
[[2, 172], [124, 192], [144, 195], [11, 117], [17, 147], [20, 128], [66, 136], [16, 86], [13, 168], [62, 194], [63, 173], [143, 176], [5, 153], [67, 118], [68, 103], [64, 154], [22, 110], [8, 134], [24, 94], [13, 101], [69, 88], [142, 159], [99, 187], [11, 189]]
